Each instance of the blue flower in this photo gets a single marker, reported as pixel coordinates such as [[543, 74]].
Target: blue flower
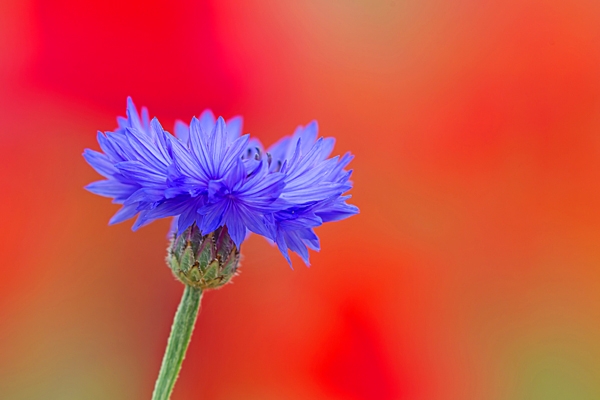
[[211, 176], [211, 186]]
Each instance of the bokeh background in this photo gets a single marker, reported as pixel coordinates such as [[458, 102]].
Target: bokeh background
[[472, 272]]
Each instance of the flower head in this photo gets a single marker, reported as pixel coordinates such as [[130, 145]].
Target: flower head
[[211, 178]]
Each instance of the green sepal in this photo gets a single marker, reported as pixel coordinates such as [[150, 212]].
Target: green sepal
[[203, 261], [195, 274], [211, 271], [187, 259], [205, 256]]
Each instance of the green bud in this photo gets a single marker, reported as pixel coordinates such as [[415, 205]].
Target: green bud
[[203, 261]]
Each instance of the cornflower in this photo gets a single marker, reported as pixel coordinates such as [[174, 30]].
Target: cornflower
[[219, 186]]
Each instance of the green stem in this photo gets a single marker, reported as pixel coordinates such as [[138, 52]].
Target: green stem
[[181, 333]]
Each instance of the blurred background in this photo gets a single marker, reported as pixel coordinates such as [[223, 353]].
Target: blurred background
[[472, 272]]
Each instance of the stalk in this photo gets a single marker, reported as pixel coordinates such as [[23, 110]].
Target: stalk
[[181, 333]]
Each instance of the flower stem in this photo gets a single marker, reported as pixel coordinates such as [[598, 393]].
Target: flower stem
[[181, 333]]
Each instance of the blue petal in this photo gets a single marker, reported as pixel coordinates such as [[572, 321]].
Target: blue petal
[[336, 210], [233, 154], [256, 222], [185, 162], [279, 151], [187, 218], [281, 244], [234, 128], [218, 145], [314, 193], [162, 141], [213, 216], [100, 163], [295, 243], [200, 149], [146, 151], [133, 117], [182, 131], [207, 121], [310, 239], [112, 188], [109, 148], [235, 227], [145, 195], [124, 214], [139, 171]]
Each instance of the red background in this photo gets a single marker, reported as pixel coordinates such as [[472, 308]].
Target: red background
[[472, 271]]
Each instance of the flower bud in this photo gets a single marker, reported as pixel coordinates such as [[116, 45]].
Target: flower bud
[[203, 261]]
